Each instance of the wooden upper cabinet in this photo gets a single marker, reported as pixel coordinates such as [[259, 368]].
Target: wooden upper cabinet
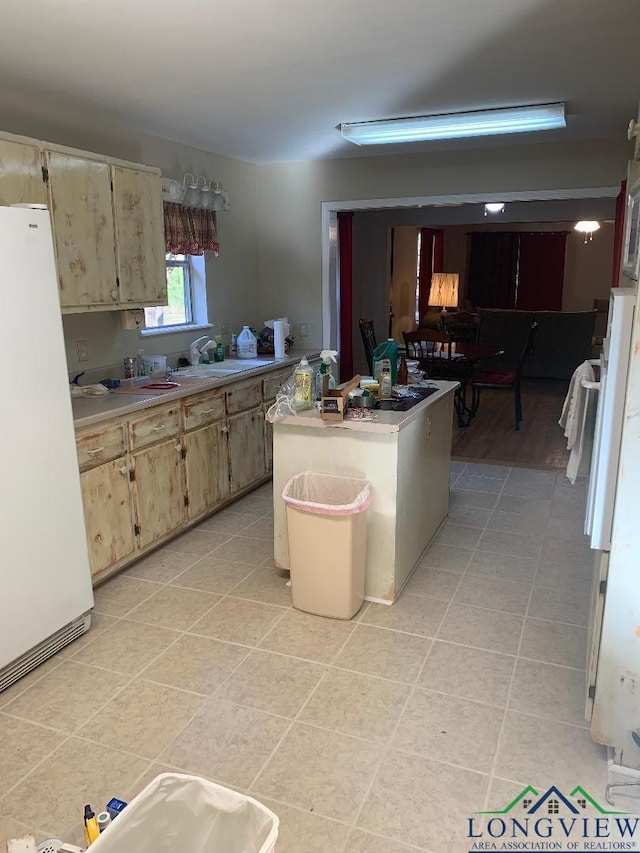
[[21, 174], [139, 228], [82, 216]]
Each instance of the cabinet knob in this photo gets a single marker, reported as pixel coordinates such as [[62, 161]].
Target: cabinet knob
[[178, 448], [124, 470], [114, 295], [97, 450], [157, 428]]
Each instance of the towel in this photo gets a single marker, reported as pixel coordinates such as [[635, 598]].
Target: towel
[[578, 421]]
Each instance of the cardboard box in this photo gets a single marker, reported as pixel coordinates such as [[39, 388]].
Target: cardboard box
[[333, 403]]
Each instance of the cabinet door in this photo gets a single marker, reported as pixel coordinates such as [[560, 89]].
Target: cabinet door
[[108, 517], [82, 217], [206, 468], [159, 490], [139, 228], [21, 174], [246, 449]]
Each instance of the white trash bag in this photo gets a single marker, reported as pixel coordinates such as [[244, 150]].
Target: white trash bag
[[176, 813], [327, 494]]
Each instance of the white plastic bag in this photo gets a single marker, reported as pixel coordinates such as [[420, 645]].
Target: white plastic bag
[[176, 813], [327, 494]]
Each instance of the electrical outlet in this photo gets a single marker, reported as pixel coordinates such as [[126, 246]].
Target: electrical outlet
[[303, 330], [83, 351]]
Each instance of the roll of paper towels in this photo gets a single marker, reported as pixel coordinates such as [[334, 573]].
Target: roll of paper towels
[[278, 338]]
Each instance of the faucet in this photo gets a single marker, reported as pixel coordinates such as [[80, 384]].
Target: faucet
[[195, 350]]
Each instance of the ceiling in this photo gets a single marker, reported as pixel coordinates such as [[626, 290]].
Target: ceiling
[[270, 80]]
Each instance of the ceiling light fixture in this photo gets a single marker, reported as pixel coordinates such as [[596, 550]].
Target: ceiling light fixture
[[456, 125], [196, 192], [587, 227], [494, 207]]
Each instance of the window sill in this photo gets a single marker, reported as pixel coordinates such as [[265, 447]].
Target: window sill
[[191, 327]]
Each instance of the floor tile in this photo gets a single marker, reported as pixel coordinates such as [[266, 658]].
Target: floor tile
[[22, 746], [469, 673], [531, 475], [567, 491], [254, 505], [474, 483], [433, 583], [244, 739], [270, 682], [446, 558], [493, 594], [544, 752], [243, 550], [260, 529], [525, 505], [161, 566], [484, 469], [468, 497], [199, 664], [469, 516], [357, 705], [553, 642], [238, 621], [502, 792], [143, 718], [387, 654], [410, 613], [306, 636], [472, 626], [457, 467], [563, 575], [92, 774], [450, 729], [264, 584], [320, 771], [524, 489], [399, 808], [301, 831], [570, 551], [10, 828], [517, 522], [67, 696], [119, 595], [23, 684], [503, 567], [127, 647], [227, 521], [512, 544], [174, 607], [100, 622], [197, 542], [212, 574], [568, 510], [550, 691], [561, 605], [364, 842], [457, 535]]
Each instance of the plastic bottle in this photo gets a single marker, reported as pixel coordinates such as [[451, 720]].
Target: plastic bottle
[[385, 356], [247, 343], [385, 385], [218, 355], [403, 372], [303, 381], [327, 357]]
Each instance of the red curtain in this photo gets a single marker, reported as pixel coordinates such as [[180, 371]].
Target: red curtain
[[621, 204], [430, 261], [493, 261], [345, 308], [541, 270]]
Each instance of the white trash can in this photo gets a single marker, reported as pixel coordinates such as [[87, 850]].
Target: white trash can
[[327, 534], [176, 813]]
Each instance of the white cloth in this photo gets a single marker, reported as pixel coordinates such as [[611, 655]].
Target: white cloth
[[578, 421]]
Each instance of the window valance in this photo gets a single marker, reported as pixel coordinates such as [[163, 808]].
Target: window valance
[[190, 230]]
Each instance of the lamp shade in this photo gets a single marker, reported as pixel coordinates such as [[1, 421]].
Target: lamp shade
[[444, 289]]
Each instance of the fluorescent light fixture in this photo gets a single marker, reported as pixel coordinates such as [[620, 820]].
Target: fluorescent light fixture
[[494, 207], [456, 125]]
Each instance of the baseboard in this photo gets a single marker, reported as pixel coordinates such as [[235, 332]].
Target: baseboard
[[483, 461]]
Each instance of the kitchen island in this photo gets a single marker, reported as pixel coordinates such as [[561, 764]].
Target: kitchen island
[[405, 455]]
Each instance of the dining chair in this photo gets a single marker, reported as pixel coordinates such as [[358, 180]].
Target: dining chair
[[504, 380], [369, 340], [462, 326]]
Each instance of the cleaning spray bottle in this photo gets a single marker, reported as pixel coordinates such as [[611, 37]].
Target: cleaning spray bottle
[[327, 356]]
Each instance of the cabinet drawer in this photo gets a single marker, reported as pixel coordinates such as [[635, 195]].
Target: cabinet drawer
[[244, 397], [98, 447], [163, 423], [271, 384], [203, 409]]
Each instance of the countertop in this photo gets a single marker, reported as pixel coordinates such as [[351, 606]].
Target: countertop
[[130, 398], [384, 422]]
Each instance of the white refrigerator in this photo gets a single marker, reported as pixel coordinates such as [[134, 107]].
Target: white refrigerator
[[45, 582]]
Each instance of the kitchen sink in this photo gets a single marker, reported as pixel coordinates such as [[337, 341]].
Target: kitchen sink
[[222, 369]]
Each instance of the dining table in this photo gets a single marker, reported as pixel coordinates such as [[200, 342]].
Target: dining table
[[457, 360]]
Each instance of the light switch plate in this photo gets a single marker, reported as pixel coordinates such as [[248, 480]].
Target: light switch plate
[[83, 351]]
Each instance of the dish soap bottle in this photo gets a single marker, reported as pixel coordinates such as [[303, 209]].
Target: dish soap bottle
[[327, 356], [303, 383], [218, 355]]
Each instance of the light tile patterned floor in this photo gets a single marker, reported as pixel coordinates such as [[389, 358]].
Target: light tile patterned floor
[[378, 735]]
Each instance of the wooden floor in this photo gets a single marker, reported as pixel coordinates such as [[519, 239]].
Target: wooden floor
[[539, 443]]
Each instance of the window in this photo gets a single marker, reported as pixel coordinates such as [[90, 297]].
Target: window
[[187, 297]]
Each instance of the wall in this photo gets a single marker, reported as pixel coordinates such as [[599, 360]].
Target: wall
[[231, 278], [290, 196]]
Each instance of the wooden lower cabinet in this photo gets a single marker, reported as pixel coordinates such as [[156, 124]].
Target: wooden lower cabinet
[[268, 441], [106, 496], [158, 490], [206, 468], [246, 449]]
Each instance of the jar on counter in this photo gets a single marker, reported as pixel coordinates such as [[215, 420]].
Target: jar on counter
[[130, 367]]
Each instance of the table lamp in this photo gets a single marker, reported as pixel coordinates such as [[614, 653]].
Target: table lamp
[[444, 290]]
